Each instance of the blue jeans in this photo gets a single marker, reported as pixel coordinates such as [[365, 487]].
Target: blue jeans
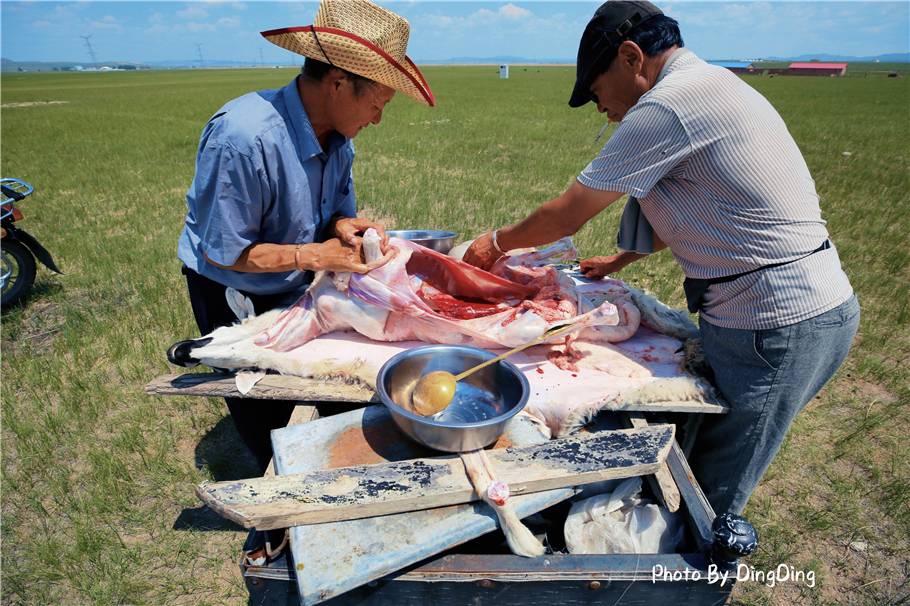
[[767, 377]]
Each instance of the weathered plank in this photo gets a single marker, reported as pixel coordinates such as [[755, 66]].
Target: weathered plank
[[662, 482], [690, 406], [286, 387], [302, 413], [270, 387], [372, 490], [335, 557], [700, 511]]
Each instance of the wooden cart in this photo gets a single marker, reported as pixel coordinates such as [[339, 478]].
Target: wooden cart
[[458, 576]]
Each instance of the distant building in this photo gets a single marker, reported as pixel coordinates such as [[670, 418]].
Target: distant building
[[737, 67], [816, 68]]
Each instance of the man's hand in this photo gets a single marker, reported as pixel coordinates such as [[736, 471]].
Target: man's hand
[[350, 230], [335, 255], [482, 253], [595, 268]]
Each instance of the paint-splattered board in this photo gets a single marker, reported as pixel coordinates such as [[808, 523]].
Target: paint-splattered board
[[335, 557], [365, 491]]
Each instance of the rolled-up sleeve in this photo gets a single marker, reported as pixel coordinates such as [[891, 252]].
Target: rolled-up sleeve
[[648, 143], [231, 195]]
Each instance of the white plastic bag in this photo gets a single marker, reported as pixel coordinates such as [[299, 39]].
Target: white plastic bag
[[622, 522]]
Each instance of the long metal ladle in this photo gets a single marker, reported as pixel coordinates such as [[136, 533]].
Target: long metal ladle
[[434, 391]]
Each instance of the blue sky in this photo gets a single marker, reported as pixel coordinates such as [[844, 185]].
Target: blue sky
[[159, 31]]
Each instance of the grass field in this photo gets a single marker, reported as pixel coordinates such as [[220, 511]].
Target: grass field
[[97, 477]]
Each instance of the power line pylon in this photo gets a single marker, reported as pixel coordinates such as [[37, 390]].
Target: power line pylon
[[88, 45]]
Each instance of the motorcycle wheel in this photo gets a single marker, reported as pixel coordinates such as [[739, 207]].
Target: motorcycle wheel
[[17, 272]]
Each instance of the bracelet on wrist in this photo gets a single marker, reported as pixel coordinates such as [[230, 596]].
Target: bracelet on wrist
[[297, 257], [496, 243]]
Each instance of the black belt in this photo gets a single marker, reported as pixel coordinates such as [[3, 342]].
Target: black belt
[[696, 288]]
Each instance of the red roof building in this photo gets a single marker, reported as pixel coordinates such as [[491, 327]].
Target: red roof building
[[816, 68]]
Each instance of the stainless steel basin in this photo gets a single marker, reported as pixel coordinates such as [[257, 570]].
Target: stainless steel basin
[[483, 402], [440, 241]]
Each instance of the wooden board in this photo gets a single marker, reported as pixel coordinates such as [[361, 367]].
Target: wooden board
[[270, 387], [284, 387], [662, 482], [367, 491], [701, 513], [335, 557], [353, 562], [302, 413], [505, 580]]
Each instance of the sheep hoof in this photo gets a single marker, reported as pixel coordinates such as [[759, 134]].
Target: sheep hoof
[[180, 354]]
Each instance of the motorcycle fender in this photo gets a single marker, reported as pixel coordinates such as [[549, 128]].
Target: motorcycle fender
[[39, 251]]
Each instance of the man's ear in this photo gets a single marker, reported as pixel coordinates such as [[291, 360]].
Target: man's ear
[[630, 54], [336, 79]]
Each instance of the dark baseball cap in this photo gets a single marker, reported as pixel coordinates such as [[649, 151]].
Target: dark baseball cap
[[605, 31]]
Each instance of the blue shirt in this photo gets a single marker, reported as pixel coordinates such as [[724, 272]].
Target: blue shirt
[[262, 176]]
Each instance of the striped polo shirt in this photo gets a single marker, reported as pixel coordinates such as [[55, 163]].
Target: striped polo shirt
[[720, 180]]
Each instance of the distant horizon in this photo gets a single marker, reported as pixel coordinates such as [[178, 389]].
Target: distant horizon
[[143, 32], [455, 61]]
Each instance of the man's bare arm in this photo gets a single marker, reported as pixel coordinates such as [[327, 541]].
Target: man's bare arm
[[331, 255], [598, 267], [562, 216]]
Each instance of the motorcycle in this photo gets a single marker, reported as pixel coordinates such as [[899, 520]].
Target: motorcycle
[[19, 248]]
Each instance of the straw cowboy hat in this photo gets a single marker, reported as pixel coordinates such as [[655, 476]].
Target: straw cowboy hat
[[360, 37]]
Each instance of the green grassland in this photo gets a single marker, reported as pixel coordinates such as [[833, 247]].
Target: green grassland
[[97, 477]]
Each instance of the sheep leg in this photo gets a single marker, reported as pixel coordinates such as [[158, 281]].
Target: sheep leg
[[495, 494]]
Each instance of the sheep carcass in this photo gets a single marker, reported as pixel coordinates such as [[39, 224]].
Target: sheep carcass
[[348, 325], [422, 295]]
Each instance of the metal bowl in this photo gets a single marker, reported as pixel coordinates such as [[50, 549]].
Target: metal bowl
[[440, 241], [483, 402]]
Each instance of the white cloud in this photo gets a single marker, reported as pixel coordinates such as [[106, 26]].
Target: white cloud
[[194, 26], [507, 11], [439, 20], [193, 11], [65, 10], [108, 22], [159, 26], [237, 6], [511, 11], [228, 22], [41, 23], [483, 15]]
